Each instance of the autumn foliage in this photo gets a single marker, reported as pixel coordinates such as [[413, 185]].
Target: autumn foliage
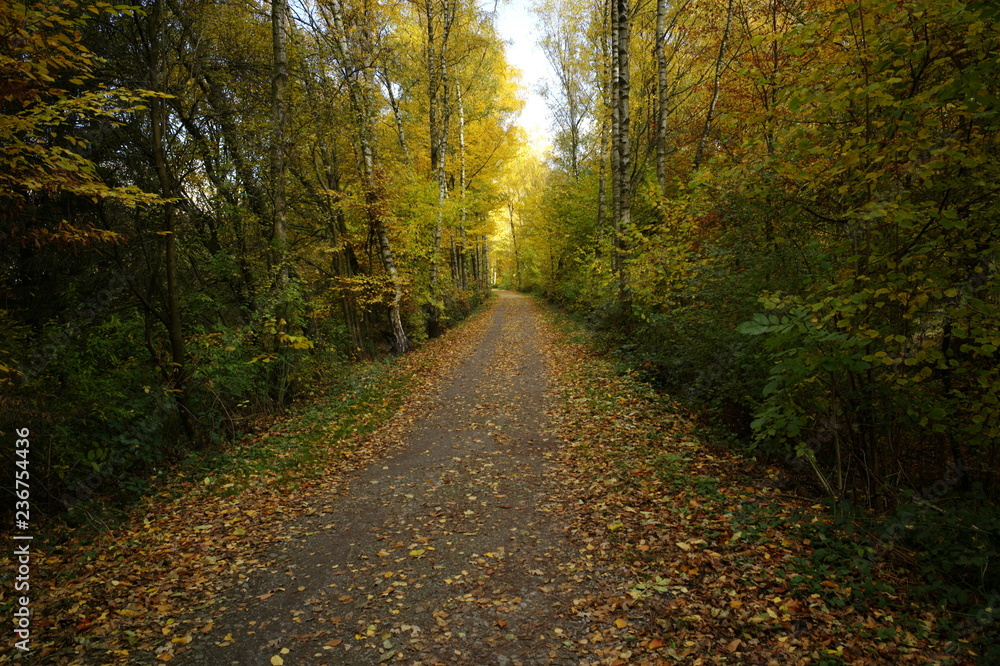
[[811, 252], [189, 247]]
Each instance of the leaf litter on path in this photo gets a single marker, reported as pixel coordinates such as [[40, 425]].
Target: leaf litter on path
[[525, 505], [149, 587], [708, 569]]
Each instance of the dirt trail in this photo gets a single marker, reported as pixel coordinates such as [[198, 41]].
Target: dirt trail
[[449, 551]]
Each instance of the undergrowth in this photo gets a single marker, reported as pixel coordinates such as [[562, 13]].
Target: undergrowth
[[937, 553]]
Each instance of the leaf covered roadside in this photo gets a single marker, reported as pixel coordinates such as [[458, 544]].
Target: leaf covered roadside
[[141, 589], [712, 566]]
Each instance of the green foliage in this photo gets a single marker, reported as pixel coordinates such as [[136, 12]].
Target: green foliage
[[956, 542], [111, 421], [898, 316]]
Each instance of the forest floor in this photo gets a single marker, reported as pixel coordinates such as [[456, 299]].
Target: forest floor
[[524, 504]]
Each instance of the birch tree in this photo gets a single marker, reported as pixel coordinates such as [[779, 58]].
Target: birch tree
[[358, 79], [621, 148], [563, 25]]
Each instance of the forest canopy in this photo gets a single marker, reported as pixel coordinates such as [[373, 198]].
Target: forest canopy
[[786, 212], [208, 210]]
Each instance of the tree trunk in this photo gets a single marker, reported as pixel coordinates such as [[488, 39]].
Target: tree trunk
[[486, 262], [661, 96], [461, 188], [477, 269], [438, 130], [602, 186], [513, 240], [616, 169], [621, 150], [361, 106], [710, 114], [279, 123], [175, 333], [394, 104], [436, 163]]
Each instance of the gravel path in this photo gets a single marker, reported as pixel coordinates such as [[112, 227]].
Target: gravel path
[[448, 551]]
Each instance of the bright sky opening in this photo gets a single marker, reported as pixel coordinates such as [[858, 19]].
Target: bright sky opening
[[516, 26]]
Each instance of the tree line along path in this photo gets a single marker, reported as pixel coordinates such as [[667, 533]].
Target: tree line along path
[[491, 532]]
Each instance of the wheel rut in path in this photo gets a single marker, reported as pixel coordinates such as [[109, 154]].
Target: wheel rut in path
[[447, 551]]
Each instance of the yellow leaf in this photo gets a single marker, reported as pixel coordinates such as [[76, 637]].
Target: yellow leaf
[[621, 623], [277, 661], [417, 552]]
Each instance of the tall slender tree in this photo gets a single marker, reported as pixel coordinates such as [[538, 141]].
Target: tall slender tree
[[621, 24], [177, 369], [279, 129], [563, 28], [360, 87]]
